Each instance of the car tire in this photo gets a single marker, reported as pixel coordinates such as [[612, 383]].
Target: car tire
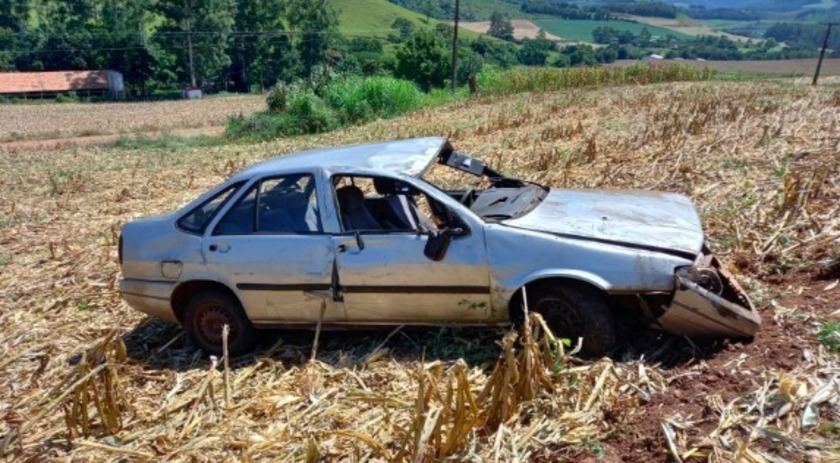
[[207, 313], [576, 311]]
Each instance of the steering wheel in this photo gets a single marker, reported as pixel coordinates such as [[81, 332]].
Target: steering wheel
[[467, 195]]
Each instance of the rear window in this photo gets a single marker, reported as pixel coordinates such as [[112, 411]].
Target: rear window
[[198, 219]]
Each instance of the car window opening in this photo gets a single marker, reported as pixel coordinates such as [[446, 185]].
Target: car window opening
[[287, 204], [368, 203]]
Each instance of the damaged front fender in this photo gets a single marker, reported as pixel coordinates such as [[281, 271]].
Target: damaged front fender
[[697, 312]]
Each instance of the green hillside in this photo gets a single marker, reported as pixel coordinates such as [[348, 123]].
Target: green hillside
[[373, 17]]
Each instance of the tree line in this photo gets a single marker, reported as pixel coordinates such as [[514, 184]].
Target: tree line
[[237, 44]]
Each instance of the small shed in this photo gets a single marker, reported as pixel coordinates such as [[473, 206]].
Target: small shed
[[49, 84]]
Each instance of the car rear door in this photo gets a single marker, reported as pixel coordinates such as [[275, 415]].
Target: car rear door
[[271, 248]]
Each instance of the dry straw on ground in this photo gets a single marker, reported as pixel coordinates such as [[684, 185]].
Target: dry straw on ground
[[47, 121], [760, 160]]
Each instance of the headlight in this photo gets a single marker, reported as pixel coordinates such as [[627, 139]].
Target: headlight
[[706, 278]]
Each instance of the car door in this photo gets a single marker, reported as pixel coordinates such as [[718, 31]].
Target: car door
[[386, 278], [271, 248]]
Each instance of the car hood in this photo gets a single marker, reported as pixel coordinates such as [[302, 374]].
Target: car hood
[[660, 221]]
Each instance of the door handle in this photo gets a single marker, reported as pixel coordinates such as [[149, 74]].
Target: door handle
[[221, 247], [341, 248]]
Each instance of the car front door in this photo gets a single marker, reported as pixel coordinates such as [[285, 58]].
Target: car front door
[[271, 248], [386, 278]]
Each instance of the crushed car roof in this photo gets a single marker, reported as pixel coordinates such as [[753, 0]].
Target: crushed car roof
[[409, 157]]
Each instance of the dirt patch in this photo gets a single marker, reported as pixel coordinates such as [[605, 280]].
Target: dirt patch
[[724, 373], [522, 29]]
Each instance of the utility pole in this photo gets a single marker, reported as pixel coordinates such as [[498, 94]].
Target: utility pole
[[455, 46], [188, 6], [822, 53]]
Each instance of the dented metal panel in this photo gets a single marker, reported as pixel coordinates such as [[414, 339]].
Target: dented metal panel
[[666, 221], [407, 157], [698, 312]]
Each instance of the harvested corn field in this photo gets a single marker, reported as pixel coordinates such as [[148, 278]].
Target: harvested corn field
[[85, 378], [51, 121]]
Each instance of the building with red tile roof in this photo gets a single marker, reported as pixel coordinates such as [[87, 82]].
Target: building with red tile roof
[[42, 84]]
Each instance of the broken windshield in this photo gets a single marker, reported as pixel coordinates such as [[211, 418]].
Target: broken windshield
[[488, 193]]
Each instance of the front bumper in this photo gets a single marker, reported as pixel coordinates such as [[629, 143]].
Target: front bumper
[[150, 297], [697, 312]]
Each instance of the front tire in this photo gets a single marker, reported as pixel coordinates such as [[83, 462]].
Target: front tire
[[205, 317], [576, 311]]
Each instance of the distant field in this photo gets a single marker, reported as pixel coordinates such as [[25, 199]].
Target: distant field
[[686, 26], [581, 30], [803, 67], [62, 120]]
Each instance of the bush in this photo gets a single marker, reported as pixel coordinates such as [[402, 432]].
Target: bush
[[276, 99], [304, 113], [423, 59], [358, 100]]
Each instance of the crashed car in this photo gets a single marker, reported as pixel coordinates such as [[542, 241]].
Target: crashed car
[[357, 236]]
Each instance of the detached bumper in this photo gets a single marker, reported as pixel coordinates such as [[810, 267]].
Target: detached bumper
[[150, 297], [700, 313]]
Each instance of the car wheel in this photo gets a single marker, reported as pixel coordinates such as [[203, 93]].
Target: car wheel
[[576, 311], [206, 315]]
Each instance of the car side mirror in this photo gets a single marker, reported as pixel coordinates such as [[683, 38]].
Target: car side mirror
[[438, 244]]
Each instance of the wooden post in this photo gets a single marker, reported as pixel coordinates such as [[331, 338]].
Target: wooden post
[[822, 54], [455, 46], [188, 5]]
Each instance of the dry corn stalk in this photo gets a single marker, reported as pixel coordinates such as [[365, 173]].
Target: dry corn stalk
[[101, 393]]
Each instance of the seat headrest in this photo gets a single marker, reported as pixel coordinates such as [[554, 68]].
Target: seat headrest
[[388, 186], [350, 198], [384, 186]]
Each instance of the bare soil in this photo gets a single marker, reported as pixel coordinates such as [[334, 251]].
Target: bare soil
[[522, 29]]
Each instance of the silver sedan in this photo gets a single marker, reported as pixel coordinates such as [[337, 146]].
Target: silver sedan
[[355, 236]]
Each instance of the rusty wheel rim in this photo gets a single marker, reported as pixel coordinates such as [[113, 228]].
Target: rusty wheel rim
[[562, 317], [210, 323]]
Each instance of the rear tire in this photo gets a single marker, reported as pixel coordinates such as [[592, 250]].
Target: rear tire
[[576, 311], [205, 317]]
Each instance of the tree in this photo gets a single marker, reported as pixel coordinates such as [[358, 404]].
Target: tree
[[533, 52], [469, 64], [644, 38], [122, 43], [500, 27], [423, 58], [200, 26], [13, 24], [492, 51], [264, 55], [604, 34], [316, 28], [404, 26]]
